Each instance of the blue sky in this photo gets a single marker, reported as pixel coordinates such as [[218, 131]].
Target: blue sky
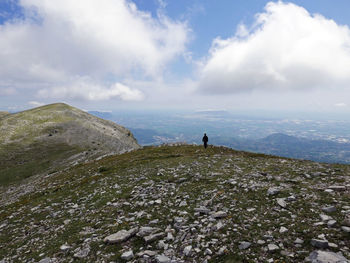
[[185, 54]]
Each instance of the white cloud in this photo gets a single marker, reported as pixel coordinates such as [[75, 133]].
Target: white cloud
[[35, 103], [86, 89], [61, 41], [340, 104], [286, 49]]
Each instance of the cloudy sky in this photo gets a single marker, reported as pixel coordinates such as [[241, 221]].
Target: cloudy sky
[[183, 54]]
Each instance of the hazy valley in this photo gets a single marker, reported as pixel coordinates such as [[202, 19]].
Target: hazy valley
[[314, 137]]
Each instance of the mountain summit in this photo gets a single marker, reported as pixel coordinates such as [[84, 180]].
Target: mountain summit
[[182, 204], [50, 136]]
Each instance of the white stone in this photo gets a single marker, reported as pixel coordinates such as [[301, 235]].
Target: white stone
[[337, 188], [320, 256], [261, 242], [146, 230], [282, 202], [283, 230], [120, 236], [273, 191], [162, 259], [219, 225], [187, 250], [83, 253], [345, 229], [331, 223], [219, 214], [128, 255], [325, 217], [298, 241], [148, 253], [44, 260], [244, 245], [208, 252], [170, 236], [272, 247], [183, 203], [65, 247], [151, 238]]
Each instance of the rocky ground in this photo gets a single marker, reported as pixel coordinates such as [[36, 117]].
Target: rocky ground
[[183, 204]]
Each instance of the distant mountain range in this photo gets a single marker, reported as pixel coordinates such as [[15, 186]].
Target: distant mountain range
[[293, 147], [280, 144]]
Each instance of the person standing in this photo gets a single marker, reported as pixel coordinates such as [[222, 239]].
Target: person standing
[[205, 140]]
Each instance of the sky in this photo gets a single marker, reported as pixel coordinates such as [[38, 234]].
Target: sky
[[242, 55]]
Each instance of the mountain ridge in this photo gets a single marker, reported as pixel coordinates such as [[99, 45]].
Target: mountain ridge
[[54, 134]]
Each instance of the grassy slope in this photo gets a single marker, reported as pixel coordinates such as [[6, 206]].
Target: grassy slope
[[41, 140], [3, 114], [35, 222], [21, 153]]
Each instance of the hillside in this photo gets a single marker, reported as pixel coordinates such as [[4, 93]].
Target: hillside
[[182, 204], [47, 138], [3, 114]]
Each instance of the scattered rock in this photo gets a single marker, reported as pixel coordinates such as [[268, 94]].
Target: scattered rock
[[298, 241], [337, 188], [261, 242], [146, 231], [148, 253], [121, 236], [65, 247], [154, 237], [202, 210], [208, 252], [283, 230], [320, 256], [325, 217], [82, 253], [273, 191], [244, 245], [319, 243], [346, 221], [162, 259], [128, 255], [219, 214], [272, 247], [345, 229], [44, 260], [281, 202], [331, 223], [329, 209], [187, 250]]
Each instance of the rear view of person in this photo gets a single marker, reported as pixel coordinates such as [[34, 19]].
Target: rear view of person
[[205, 140]]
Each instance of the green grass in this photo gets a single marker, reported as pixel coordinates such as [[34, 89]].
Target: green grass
[[18, 163]]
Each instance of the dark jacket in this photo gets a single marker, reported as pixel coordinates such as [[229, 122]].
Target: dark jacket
[[205, 138]]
